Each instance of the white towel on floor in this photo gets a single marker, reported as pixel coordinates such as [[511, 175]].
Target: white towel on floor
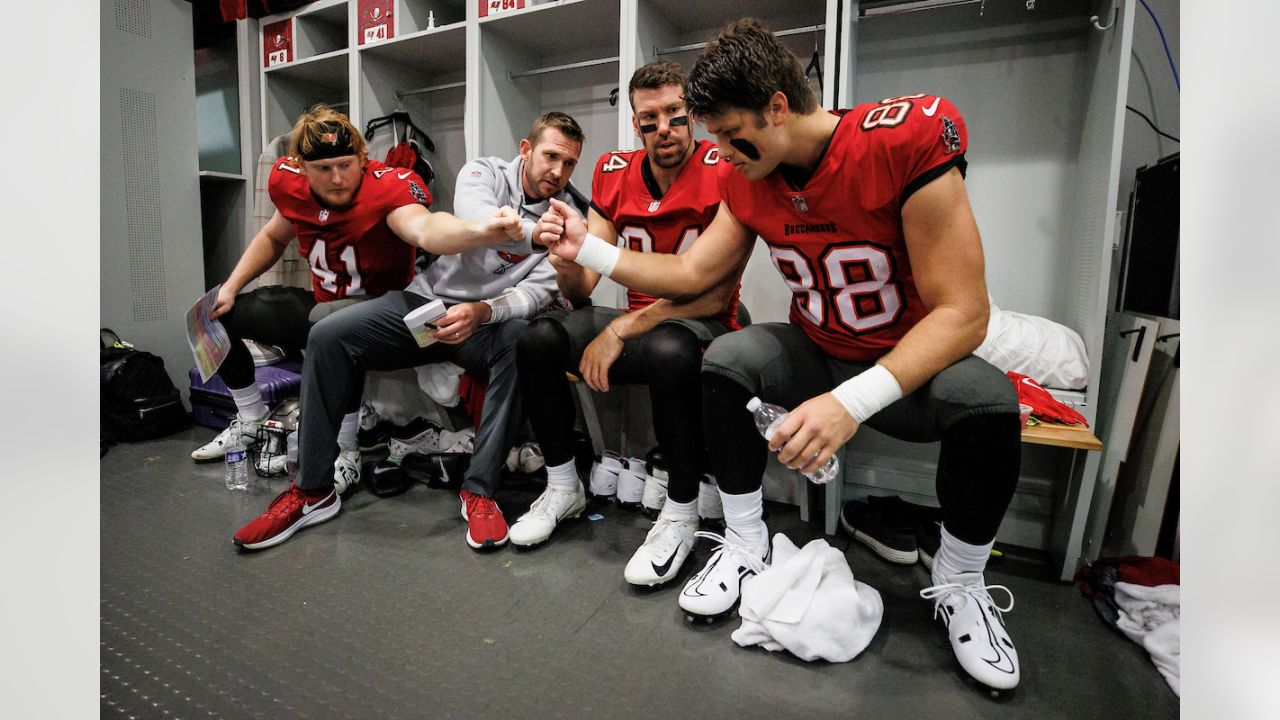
[[1151, 617], [808, 603]]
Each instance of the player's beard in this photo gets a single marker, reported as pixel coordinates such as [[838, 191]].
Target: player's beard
[[672, 160]]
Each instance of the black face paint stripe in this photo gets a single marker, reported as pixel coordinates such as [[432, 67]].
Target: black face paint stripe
[[681, 121], [745, 148]]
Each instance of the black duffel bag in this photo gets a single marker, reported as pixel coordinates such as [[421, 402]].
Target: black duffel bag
[[138, 400]]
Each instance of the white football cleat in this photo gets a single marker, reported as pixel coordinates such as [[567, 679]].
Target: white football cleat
[[655, 490], [604, 475], [975, 626], [551, 507], [659, 558], [216, 448], [716, 589], [631, 483], [346, 471]]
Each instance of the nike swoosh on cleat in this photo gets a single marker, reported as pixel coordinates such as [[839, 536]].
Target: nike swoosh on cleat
[[1001, 661], [929, 111], [662, 569], [706, 572], [307, 508]]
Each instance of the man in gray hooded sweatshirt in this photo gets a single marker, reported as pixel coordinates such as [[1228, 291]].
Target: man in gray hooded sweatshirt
[[489, 291]]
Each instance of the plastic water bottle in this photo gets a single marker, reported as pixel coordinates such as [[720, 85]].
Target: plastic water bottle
[[291, 456], [769, 417], [237, 459]]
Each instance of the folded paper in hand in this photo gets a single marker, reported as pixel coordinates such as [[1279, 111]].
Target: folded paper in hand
[[419, 321]]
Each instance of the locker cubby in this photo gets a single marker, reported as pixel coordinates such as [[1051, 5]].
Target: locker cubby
[[1023, 81], [526, 68], [289, 90], [425, 75], [321, 30], [416, 15]]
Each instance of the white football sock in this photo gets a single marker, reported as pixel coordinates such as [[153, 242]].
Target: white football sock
[[687, 511], [348, 430], [563, 477], [743, 515], [249, 402], [955, 557]]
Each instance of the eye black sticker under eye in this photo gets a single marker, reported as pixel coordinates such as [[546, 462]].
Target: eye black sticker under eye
[[745, 148], [646, 129], [682, 121]]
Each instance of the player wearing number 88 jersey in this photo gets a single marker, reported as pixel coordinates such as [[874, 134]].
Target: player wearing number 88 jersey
[[837, 239], [868, 220]]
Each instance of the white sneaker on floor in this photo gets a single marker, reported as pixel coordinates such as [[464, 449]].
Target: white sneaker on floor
[[710, 509], [346, 471], [975, 626], [631, 483], [663, 552], [425, 439], [216, 448], [604, 475], [552, 506], [655, 490], [716, 589]]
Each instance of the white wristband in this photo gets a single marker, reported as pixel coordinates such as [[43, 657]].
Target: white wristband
[[866, 394], [598, 255]]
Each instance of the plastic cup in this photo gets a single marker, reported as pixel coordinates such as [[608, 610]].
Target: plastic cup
[[1025, 411]]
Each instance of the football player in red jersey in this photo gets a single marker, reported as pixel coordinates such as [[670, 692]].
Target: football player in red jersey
[[357, 222], [867, 219], [655, 200]]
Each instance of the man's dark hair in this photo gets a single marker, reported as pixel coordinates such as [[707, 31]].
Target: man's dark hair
[[653, 76], [560, 121], [742, 68]]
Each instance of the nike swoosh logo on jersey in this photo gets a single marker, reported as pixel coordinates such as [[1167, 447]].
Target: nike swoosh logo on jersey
[[405, 174], [929, 111], [308, 507]]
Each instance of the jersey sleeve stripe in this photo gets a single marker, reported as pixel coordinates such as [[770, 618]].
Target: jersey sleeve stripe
[[932, 174]]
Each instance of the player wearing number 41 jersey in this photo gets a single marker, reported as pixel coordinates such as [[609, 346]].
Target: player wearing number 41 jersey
[[352, 250], [656, 200], [867, 219], [358, 222]]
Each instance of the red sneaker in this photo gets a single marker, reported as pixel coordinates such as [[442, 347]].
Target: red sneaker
[[486, 528], [291, 511]]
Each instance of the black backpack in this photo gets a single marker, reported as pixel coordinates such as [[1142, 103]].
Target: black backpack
[[138, 400]]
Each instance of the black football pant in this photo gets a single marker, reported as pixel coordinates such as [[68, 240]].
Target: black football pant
[[667, 359], [971, 407]]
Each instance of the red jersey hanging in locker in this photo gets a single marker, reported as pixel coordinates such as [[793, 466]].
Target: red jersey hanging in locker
[[493, 7], [375, 20], [351, 250], [624, 192], [277, 42], [837, 241]]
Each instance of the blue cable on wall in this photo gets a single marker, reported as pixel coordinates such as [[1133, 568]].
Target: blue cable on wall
[[1165, 42]]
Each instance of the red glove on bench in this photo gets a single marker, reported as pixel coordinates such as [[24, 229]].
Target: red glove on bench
[[1043, 405]]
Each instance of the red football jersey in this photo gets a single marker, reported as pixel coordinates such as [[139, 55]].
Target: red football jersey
[[625, 193], [352, 251], [838, 241]]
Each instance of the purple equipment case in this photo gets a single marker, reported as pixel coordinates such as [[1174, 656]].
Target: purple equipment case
[[211, 403]]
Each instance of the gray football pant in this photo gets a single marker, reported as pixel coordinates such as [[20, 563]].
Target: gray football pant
[[372, 336]]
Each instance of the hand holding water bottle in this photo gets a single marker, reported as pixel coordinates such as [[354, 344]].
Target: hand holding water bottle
[[807, 438]]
